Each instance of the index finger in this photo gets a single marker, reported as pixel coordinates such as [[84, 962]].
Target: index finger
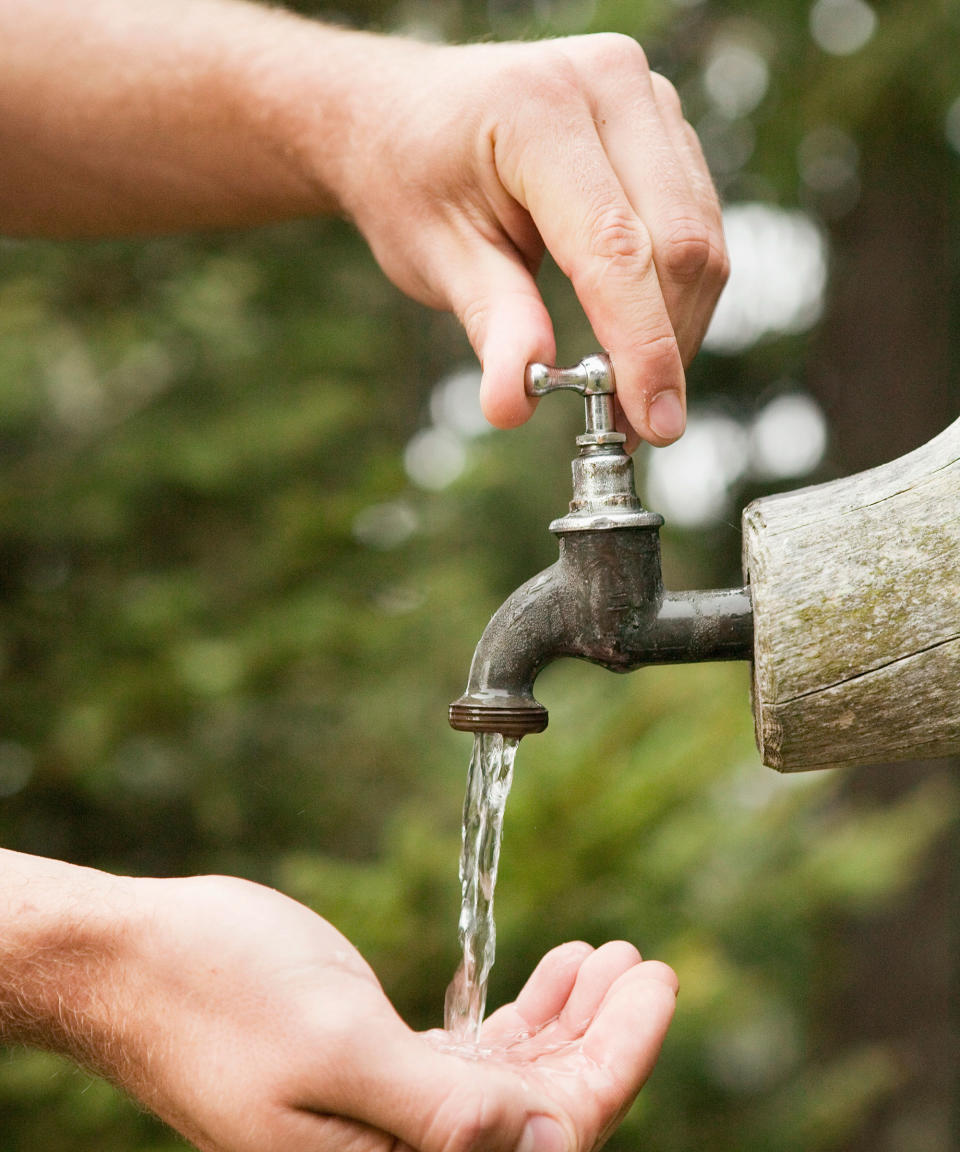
[[560, 171]]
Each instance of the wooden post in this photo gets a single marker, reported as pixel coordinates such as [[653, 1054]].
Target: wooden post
[[856, 596]]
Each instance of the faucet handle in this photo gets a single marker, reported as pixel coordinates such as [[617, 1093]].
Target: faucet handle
[[593, 378]]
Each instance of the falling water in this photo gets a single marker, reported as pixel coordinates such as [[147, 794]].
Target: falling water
[[488, 785]]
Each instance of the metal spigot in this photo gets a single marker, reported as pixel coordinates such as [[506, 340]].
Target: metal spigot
[[604, 494], [603, 600]]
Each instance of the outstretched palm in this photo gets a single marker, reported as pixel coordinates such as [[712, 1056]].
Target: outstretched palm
[[584, 1033], [269, 1032]]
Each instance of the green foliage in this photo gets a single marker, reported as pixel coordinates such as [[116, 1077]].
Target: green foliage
[[204, 669]]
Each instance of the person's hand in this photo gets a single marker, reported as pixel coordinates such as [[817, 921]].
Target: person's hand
[[460, 164], [585, 1031], [251, 1025], [467, 161]]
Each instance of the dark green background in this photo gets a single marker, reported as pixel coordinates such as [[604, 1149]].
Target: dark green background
[[204, 670]]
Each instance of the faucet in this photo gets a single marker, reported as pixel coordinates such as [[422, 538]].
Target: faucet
[[603, 600]]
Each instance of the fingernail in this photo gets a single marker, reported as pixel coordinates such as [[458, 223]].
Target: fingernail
[[542, 1134], [666, 416]]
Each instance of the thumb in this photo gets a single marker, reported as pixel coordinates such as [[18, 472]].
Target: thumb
[[392, 1079], [499, 305]]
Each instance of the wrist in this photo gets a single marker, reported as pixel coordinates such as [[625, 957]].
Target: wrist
[[65, 933], [340, 101]]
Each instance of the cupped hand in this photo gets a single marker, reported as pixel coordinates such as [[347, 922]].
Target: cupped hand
[[584, 1034], [252, 1025], [497, 151]]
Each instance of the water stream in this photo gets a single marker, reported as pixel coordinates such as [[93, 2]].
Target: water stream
[[488, 785]]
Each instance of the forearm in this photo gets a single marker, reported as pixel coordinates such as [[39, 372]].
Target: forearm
[[460, 165], [123, 116], [63, 933]]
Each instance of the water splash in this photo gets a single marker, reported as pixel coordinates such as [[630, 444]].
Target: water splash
[[488, 785], [520, 1046]]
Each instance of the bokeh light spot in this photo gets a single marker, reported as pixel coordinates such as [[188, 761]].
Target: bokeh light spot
[[778, 277], [434, 458], [842, 27], [385, 526], [788, 438], [735, 78]]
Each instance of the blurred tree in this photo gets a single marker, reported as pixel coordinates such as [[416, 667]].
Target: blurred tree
[[230, 620], [883, 372]]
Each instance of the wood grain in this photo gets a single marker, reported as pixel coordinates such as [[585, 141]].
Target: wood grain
[[856, 595]]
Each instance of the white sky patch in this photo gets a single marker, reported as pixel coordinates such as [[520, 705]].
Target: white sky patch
[[778, 277]]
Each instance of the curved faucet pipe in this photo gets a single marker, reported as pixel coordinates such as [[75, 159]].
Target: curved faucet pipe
[[603, 601]]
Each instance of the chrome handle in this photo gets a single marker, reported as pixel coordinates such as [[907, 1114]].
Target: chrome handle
[[593, 378]]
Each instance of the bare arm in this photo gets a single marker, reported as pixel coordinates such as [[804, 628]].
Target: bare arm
[[124, 117], [62, 959], [251, 1025], [458, 164]]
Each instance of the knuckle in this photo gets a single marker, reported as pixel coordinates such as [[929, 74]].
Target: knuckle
[[717, 271], [617, 236], [723, 267], [220, 891], [687, 251], [666, 94], [474, 317], [617, 51], [661, 351], [547, 72]]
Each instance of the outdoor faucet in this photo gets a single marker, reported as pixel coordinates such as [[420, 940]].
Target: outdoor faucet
[[850, 614], [603, 600]]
